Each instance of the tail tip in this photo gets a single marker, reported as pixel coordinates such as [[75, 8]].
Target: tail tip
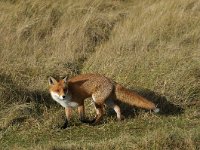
[[156, 110]]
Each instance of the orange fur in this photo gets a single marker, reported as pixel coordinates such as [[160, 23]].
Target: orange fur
[[103, 91]]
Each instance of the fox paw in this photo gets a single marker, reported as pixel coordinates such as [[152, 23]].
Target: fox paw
[[65, 125], [93, 122], [85, 120], [121, 118]]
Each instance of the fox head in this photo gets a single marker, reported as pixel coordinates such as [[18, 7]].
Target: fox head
[[59, 90]]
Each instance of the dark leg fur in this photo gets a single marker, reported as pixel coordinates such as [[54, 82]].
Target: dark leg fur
[[65, 125]]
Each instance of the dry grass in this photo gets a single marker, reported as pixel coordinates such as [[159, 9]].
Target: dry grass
[[151, 46]]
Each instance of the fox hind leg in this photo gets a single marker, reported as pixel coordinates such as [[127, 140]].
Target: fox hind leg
[[81, 112], [110, 103], [99, 113], [99, 98]]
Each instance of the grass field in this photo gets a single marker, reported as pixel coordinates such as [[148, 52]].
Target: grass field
[[149, 46]]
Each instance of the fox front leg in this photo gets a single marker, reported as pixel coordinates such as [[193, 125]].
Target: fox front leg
[[68, 112]]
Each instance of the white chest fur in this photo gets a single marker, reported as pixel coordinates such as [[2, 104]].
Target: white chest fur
[[66, 102]]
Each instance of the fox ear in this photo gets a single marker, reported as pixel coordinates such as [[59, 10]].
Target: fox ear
[[52, 81], [65, 79]]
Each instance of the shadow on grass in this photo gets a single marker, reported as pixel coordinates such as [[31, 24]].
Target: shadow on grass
[[166, 107], [11, 92]]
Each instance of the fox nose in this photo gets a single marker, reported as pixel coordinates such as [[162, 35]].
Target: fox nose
[[63, 96]]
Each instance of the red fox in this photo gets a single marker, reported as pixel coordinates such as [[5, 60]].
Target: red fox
[[72, 93]]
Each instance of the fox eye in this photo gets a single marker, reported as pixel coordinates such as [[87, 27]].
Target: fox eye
[[57, 90]]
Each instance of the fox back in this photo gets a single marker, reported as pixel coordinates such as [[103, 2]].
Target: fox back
[[80, 87]]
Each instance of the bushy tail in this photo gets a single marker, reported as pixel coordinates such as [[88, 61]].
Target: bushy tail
[[133, 98]]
